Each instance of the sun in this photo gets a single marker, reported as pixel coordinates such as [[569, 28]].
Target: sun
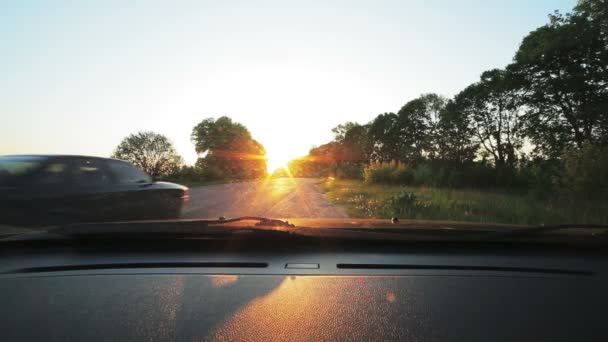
[[277, 158], [275, 162], [279, 151]]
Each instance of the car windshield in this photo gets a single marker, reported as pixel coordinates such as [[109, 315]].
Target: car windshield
[[484, 112]]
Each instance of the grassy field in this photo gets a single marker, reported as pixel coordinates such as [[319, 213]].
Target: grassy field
[[363, 200]]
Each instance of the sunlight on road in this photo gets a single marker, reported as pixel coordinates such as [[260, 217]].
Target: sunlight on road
[[280, 186], [285, 197]]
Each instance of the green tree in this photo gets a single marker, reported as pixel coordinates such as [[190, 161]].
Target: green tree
[[223, 134], [384, 137], [352, 142], [417, 124], [454, 135], [595, 10], [341, 130], [356, 145], [227, 149], [494, 108], [151, 152], [562, 68]]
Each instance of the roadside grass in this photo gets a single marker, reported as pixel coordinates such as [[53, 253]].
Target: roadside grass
[[363, 200]]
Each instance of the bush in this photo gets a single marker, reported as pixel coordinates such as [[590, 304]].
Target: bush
[[223, 168], [393, 172], [542, 177], [424, 175], [187, 174], [349, 170], [402, 174], [403, 203], [586, 171], [453, 178], [480, 175]]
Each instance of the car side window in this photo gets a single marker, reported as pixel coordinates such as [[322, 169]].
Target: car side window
[[54, 173], [90, 172], [126, 173]]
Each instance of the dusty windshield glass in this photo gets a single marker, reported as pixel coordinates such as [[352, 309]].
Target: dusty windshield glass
[[485, 112]]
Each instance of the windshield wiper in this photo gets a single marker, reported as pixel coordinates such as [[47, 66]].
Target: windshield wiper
[[172, 228], [261, 221], [262, 226]]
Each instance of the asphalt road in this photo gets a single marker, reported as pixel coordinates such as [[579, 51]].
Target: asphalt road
[[276, 198]]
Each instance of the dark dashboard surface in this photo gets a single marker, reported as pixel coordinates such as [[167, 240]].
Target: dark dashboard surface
[[301, 294]]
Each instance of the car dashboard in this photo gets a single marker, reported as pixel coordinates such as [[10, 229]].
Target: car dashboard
[[193, 290]]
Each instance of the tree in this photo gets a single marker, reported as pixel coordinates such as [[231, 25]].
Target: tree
[[562, 68], [454, 135], [341, 130], [384, 137], [224, 135], [418, 120], [152, 152], [352, 142], [356, 145], [493, 106], [597, 11], [227, 149], [409, 135]]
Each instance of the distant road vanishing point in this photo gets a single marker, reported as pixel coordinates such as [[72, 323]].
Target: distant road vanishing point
[[275, 198]]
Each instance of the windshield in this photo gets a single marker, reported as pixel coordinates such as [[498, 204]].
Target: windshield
[[438, 111]]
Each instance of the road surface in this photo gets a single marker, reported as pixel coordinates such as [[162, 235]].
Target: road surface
[[277, 198]]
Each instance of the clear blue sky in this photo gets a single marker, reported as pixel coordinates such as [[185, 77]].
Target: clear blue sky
[[77, 76]]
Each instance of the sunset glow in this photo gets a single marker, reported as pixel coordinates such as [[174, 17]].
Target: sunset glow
[[263, 66], [277, 160]]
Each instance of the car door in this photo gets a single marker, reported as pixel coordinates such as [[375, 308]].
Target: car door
[[93, 191], [135, 188], [48, 188], [33, 190]]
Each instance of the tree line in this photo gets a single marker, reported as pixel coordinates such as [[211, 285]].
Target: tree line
[[226, 150], [541, 122]]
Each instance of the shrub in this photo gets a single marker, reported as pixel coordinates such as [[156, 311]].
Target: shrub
[[481, 175], [187, 174], [403, 203], [392, 172], [586, 170], [453, 178], [423, 175], [542, 177], [402, 174], [349, 170]]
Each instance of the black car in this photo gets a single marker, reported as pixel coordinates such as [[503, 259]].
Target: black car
[[59, 189]]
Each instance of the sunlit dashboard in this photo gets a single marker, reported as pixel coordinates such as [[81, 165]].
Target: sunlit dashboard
[[295, 293]]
